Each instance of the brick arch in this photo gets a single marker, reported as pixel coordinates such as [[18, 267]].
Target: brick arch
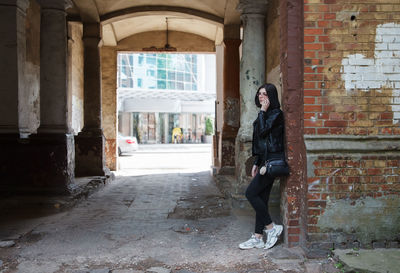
[[129, 12]]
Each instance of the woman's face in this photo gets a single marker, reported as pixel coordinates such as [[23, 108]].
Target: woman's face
[[262, 95]]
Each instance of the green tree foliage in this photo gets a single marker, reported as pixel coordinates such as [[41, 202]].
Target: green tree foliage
[[209, 126]]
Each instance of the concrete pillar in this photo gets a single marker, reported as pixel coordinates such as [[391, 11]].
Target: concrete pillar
[[252, 75], [166, 137], [53, 147], [231, 96], [90, 143], [92, 77], [109, 103], [157, 127], [53, 67], [12, 64]]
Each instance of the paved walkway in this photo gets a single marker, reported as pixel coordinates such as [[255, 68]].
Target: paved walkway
[[177, 222], [166, 158], [173, 219]]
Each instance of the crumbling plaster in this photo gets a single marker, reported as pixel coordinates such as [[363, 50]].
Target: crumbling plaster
[[75, 54], [29, 96]]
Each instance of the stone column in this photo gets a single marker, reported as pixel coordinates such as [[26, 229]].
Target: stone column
[[108, 62], [53, 67], [252, 75], [166, 128], [230, 99], [12, 64], [54, 152], [12, 78], [90, 143]]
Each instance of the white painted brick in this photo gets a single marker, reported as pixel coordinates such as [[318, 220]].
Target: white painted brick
[[365, 69], [393, 77], [387, 25], [348, 85], [368, 84], [396, 100], [363, 85], [387, 30], [396, 108], [360, 85], [387, 69], [394, 46], [388, 84], [374, 77], [383, 54], [381, 46], [361, 61], [354, 58], [349, 69], [390, 38], [392, 61], [396, 92], [383, 69], [380, 68], [353, 77]]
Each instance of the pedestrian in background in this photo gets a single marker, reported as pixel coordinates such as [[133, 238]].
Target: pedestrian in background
[[268, 143]]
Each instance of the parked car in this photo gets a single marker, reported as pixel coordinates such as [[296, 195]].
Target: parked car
[[127, 144]]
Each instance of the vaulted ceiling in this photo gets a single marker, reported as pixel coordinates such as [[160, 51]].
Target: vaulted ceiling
[[124, 18]]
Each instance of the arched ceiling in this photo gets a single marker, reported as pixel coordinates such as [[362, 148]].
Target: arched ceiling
[[124, 18]]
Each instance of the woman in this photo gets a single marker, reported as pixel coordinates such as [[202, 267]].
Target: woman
[[267, 144]]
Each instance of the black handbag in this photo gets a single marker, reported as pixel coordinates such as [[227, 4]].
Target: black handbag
[[275, 168]]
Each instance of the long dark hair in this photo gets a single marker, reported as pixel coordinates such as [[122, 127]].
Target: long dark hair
[[272, 94]]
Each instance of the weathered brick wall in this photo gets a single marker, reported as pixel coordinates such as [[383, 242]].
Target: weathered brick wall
[[352, 67], [293, 204], [353, 201], [351, 122]]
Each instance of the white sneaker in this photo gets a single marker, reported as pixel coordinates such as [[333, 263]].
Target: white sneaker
[[252, 242], [272, 235]]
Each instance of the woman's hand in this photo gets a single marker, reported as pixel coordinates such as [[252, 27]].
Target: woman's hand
[[265, 104], [254, 170]]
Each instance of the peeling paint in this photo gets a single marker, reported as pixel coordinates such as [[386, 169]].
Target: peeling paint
[[382, 71], [368, 218], [310, 187], [232, 115]]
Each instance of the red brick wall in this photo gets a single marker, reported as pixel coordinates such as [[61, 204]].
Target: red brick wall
[[351, 89], [294, 212], [334, 30], [342, 177]]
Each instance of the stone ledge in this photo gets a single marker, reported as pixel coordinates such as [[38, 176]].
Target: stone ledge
[[360, 144]]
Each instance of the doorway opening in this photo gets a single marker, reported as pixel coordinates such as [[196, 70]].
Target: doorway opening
[[166, 109]]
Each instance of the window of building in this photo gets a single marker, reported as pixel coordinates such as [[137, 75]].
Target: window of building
[[169, 71]]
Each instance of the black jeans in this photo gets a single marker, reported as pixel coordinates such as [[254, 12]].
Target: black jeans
[[258, 193]]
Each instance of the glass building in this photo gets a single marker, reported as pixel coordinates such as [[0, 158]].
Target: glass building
[[159, 71], [160, 92]]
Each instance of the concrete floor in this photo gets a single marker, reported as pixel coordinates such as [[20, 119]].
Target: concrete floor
[[174, 220]]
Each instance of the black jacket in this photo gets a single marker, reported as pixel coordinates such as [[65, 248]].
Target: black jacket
[[268, 136]]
